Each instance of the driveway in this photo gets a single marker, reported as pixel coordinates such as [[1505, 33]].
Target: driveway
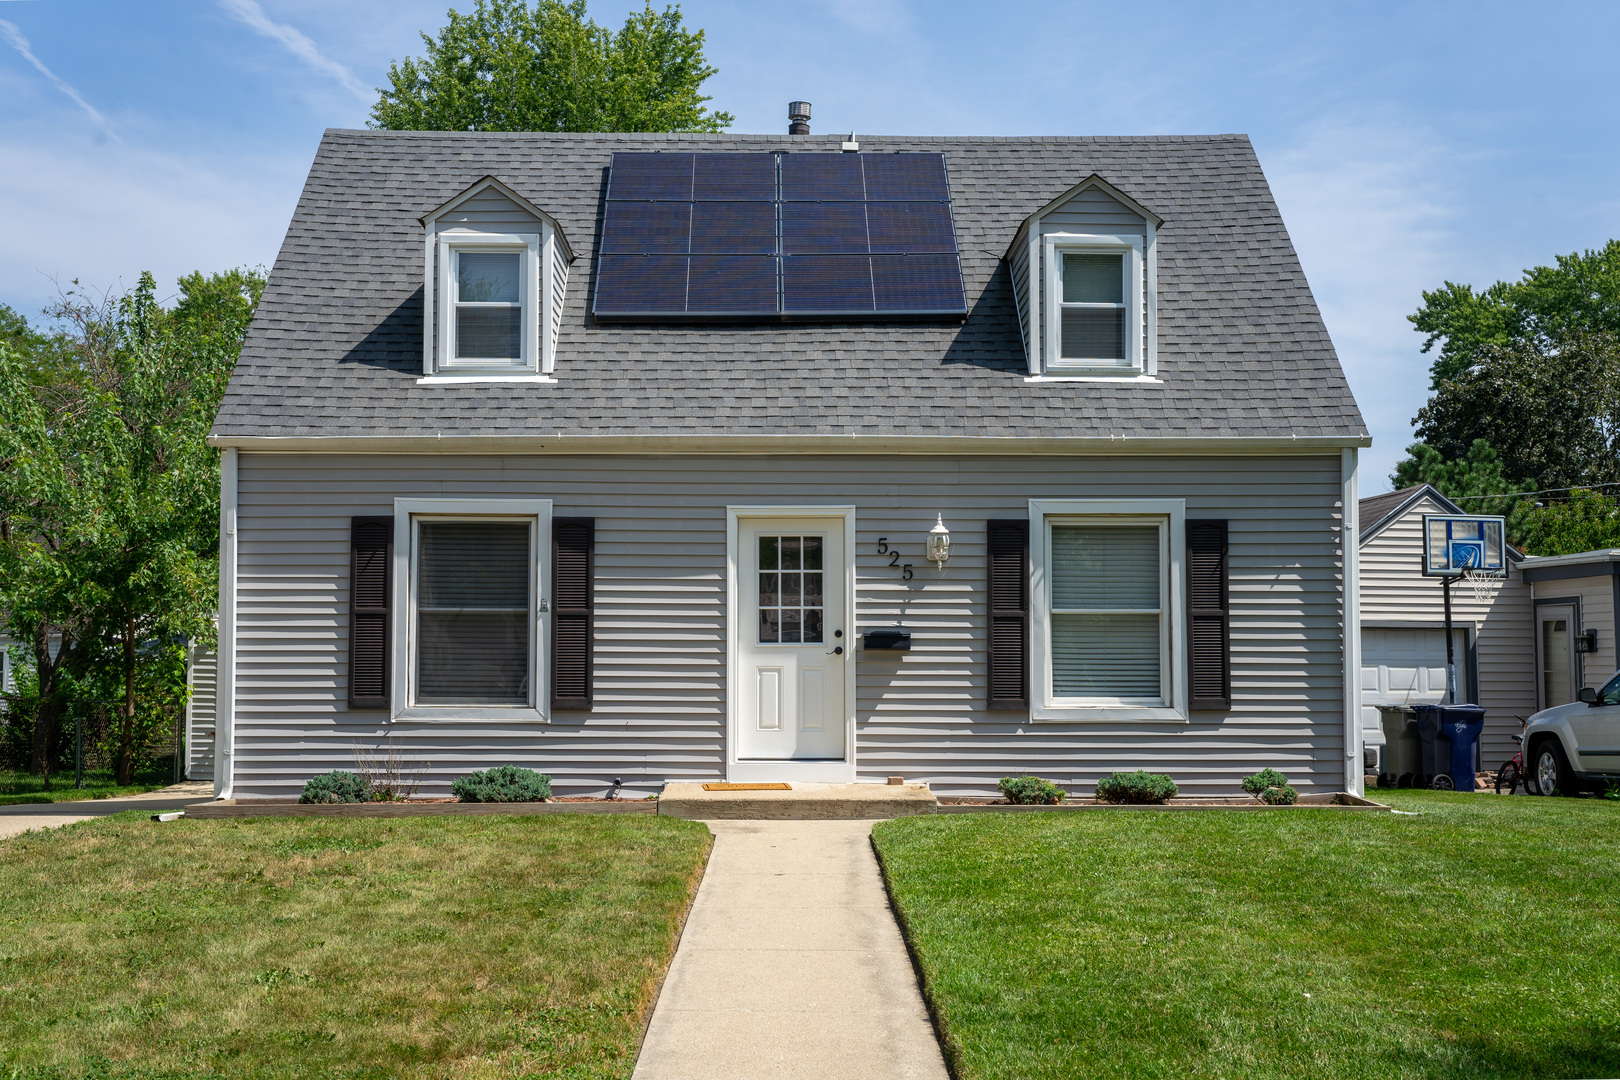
[[21, 818]]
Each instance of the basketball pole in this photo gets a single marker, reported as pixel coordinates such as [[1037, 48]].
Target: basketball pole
[[1451, 660]]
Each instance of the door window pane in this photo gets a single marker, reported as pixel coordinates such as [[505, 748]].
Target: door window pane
[[473, 613], [791, 597]]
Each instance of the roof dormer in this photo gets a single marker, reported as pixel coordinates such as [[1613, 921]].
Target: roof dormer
[[1089, 307], [496, 271]]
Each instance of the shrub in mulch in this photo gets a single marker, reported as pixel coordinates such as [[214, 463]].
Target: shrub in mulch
[[1136, 787], [1271, 786], [1031, 790], [336, 786], [503, 783]]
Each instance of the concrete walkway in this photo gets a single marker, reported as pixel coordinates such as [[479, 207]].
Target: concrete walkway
[[25, 816], [791, 965]]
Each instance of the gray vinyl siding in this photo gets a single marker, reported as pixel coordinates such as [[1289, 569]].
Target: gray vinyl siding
[[200, 723], [661, 631], [1395, 592], [559, 289], [1018, 267]]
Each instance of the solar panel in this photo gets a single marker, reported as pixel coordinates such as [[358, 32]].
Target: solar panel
[[778, 235]]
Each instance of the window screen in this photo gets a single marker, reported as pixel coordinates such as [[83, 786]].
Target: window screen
[[1093, 306], [1106, 611], [489, 305], [473, 613]]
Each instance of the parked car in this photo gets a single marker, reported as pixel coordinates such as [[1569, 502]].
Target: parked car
[[1576, 746]]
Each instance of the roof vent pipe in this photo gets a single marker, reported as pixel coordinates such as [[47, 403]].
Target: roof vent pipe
[[798, 118]]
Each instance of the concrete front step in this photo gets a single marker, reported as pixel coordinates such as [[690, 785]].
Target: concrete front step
[[801, 801]]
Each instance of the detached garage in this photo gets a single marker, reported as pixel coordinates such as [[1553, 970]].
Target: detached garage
[[1403, 641]]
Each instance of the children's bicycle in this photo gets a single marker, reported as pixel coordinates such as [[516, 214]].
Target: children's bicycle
[[1513, 773]]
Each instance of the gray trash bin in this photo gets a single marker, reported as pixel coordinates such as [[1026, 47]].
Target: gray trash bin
[[1401, 763]]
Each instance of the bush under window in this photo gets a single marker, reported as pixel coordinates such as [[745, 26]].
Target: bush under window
[[1270, 786], [1136, 787], [503, 783], [336, 786], [1031, 789]]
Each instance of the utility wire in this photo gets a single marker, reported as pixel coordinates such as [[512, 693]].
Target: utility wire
[[1527, 494]]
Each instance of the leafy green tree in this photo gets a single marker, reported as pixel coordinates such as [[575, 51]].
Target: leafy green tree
[[1475, 481], [1585, 521], [509, 67], [109, 495], [1549, 407], [1581, 294]]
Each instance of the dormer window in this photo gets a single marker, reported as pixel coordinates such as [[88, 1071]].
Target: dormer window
[[1094, 308], [1085, 284], [494, 300], [497, 272]]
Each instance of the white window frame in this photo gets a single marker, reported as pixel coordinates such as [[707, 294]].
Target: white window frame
[[533, 275], [408, 515], [1171, 516], [1054, 246]]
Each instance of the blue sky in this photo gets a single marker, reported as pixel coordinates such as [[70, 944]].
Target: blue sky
[[1407, 143]]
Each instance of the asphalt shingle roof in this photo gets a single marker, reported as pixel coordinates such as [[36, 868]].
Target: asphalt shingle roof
[[336, 348]]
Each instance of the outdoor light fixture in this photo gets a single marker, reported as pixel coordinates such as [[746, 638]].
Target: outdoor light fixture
[[939, 543]]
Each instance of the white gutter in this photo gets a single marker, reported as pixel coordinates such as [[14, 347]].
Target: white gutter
[[225, 701], [1349, 539], [782, 444]]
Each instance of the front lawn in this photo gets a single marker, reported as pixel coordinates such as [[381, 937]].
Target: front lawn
[[297, 947], [23, 787], [1478, 938]]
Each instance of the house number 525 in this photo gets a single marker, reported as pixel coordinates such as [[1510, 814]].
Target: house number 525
[[894, 558]]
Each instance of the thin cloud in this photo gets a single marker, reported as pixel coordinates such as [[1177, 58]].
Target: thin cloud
[[250, 13], [15, 39]]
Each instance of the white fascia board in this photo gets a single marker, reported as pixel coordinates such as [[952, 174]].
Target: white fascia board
[[754, 445], [1600, 556]]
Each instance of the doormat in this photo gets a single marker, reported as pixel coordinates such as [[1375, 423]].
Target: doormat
[[746, 787]]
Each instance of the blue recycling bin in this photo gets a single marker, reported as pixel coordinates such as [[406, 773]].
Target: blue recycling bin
[[1448, 734]]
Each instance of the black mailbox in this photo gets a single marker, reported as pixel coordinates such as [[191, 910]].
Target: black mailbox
[[894, 640]]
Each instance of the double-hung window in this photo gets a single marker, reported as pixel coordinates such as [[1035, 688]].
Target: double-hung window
[[474, 616], [489, 316], [1107, 635], [1094, 304]]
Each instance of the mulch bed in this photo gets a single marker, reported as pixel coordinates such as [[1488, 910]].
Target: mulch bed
[[245, 808], [966, 804]]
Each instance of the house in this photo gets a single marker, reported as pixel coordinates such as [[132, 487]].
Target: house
[[1576, 622], [1403, 638], [624, 457]]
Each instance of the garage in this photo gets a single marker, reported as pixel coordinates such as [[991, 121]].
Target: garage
[[1406, 666]]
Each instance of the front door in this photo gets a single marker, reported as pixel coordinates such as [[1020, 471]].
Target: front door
[[1556, 664], [792, 639]]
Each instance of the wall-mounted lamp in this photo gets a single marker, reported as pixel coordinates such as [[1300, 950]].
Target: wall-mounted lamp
[[1586, 642], [939, 543]]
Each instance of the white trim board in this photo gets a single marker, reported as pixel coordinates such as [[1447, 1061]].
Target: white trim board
[[832, 772], [988, 446]]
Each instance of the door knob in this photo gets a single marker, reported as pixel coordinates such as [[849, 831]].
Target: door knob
[[836, 650]]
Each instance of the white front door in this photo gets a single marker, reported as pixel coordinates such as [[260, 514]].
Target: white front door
[[1556, 663], [793, 639]]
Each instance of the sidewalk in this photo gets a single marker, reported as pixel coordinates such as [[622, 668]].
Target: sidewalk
[[25, 816], [791, 965]]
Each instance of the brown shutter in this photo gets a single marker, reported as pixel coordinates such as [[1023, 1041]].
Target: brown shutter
[[1209, 616], [573, 621], [1007, 562], [371, 550]]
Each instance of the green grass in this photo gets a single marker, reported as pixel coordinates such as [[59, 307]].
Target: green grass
[[22, 787], [464, 947], [1479, 938]]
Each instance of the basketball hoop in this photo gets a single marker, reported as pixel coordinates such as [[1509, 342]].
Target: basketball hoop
[[1483, 583]]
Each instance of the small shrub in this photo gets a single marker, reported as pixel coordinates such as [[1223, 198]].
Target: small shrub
[[1136, 787], [1281, 795], [1031, 789], [336, 786], [503, 783], [1265, 778]]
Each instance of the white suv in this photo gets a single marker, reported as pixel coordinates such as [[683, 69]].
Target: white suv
[[1575, 746]]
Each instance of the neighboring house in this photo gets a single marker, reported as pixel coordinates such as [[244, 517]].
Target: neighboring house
[[1576, 623], [1403, 640], [619, 457], [202, 667]]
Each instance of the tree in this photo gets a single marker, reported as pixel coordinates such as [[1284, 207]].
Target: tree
[[1581, 294], [507, 67], [1475, 481], [109, 495], [1585, 521], [1549, 407]]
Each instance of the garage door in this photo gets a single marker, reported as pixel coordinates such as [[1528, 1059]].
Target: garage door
[[1405, 667]]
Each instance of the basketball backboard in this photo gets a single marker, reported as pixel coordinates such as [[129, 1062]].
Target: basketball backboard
[[1455, 543]]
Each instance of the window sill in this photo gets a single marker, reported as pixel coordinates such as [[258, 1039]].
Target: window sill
[[1145, 380], [516, 714], [431, 380], [1070, 714]]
